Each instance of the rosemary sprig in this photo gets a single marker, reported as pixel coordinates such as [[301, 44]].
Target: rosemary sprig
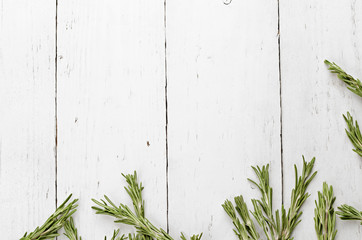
[[123, 213], [276, 227], [324, 214], [353, 84], [349, 213], [354, 133], [246, 228], [56, 221]]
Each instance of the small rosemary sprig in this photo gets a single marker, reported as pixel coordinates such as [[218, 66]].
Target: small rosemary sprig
[[347, 212], [276, 227], [124, 214], [354, 133], [56, 221], [324, 214], [246, 228], [355, 85]]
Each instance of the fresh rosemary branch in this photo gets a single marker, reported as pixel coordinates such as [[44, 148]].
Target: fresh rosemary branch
[[123, 213], [353, 84], [349, 213], [354, 133], [276, 227], [56, 221], [246, 228], [324, 214]]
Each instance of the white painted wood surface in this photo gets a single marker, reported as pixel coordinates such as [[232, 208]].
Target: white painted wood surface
[[27, 119], [220, 60], [190, 117], [111, 106], [314, 101]]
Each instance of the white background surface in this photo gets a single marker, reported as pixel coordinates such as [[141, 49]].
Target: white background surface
[[88, 89]]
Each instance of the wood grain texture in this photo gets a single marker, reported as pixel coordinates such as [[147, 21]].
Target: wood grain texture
[[107, 101], [224, 113], [314, 100], [27, 124], [111, 106]]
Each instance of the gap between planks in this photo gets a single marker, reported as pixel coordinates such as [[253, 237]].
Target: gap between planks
[[166, 110], [56, 103], [281, 108]]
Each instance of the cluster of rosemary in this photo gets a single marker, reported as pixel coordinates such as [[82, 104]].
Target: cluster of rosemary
[[280, 226], [61, 218], [347, 212], [123, 214], [276, 225]]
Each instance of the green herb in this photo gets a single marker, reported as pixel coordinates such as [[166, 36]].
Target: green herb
[[245, 229], [123, 214], [349, 213], [355, 85], [353, 132], [324, 214], [70, 231], [278, 226], [49, 230]]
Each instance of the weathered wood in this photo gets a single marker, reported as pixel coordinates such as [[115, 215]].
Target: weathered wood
[[111, 107], [224, 109], [314, 101], [27, 123]]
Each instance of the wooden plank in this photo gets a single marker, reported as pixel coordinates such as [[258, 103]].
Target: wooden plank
[[314, 100], [27, 117], [224, 109], [111, 105]]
